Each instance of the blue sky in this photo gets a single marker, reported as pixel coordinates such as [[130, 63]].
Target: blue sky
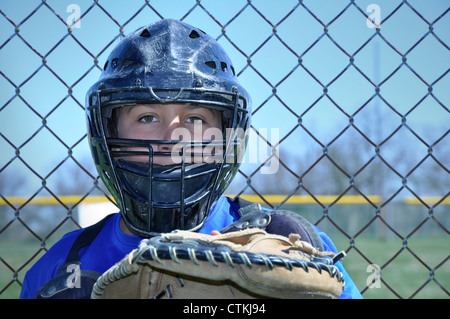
[[426, 64]]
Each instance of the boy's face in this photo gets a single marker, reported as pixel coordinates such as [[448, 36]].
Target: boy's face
[[168, 122]]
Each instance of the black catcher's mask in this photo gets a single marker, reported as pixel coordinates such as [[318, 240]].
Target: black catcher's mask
[[166, 62]]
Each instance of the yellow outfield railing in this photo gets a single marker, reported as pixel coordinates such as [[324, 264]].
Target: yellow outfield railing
[[273, 199], [51, 200], [306, 199], [429, 200]]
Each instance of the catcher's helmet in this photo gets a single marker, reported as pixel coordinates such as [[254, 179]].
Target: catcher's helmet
[[166, 62]]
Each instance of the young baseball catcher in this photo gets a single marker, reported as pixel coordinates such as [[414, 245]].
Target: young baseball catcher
[[167, 126]]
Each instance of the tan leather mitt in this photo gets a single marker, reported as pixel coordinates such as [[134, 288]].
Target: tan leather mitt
[[243, 264]]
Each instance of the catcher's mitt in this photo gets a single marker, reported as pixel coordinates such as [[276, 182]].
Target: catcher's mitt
[[242, 264]]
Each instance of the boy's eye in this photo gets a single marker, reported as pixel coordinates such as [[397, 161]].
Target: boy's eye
[[194, 119], [148, 119]]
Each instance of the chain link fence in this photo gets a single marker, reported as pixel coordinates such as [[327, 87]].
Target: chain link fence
[[350, 108]]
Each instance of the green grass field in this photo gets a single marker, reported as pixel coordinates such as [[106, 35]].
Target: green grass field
[[405, 274]]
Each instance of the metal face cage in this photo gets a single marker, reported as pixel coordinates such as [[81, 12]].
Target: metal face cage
[[156, 198]]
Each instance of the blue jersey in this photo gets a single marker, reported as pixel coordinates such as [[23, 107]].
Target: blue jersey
[[111, 245]]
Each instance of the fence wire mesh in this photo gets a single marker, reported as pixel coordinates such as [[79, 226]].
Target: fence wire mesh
[[357, 92]]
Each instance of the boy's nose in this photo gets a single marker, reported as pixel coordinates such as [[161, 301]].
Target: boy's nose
[[171, 133]]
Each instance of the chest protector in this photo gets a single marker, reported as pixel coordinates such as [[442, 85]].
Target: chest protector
[[71, 282]]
